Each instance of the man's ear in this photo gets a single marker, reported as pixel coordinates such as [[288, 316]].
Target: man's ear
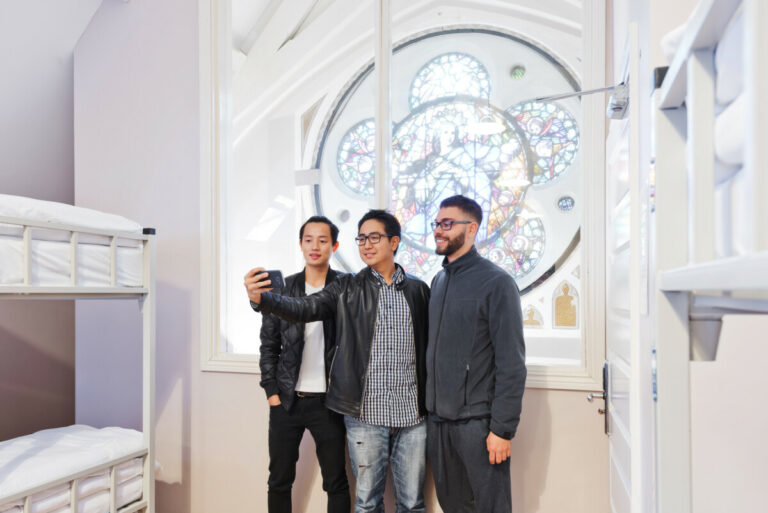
[[394, 239], [474, 227], [335, 246]]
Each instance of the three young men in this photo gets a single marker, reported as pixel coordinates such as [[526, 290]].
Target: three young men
[[295, 360], [378, 373], [470, 376]]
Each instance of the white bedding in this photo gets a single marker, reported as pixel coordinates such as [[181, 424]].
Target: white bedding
[[51, 264], [729, 61], [729, 133], [33, 460], [61, 213], [58, 499]]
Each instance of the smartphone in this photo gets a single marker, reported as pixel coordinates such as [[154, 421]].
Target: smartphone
[[276, 277]]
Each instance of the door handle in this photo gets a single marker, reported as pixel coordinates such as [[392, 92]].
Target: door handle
[[595, 395]]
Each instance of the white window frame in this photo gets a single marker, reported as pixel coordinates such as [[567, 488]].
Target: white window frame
[[215, 138]]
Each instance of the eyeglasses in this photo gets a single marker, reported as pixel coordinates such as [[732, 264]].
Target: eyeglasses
[[446, 224], [374, 238]]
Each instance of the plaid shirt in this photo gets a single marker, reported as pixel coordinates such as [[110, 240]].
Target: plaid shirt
[[391, 395]]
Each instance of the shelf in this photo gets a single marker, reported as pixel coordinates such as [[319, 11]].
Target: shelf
[[736, 273], [703, 30], [40, 292]]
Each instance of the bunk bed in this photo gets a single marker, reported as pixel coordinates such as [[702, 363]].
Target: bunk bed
[[711, 169], [55, 251]]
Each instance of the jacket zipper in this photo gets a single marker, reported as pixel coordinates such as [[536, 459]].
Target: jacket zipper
[[368, 365], [437, 336], [466, 382], [330, 370]]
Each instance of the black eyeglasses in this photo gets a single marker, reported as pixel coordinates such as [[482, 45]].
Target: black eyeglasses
[[446, 224], [374, 238]]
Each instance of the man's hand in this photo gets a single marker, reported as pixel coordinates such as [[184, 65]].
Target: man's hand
[[254, 285], [498, 448], [274, 400]]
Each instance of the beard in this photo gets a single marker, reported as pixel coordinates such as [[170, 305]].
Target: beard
[[452, 246]]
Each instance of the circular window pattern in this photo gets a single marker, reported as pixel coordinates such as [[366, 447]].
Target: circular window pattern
[[566, 203], [356, 158], [443, 146], [450, 74]]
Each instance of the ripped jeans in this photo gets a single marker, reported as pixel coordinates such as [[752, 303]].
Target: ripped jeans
[[372, 449]]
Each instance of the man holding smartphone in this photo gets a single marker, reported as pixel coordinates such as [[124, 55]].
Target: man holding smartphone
[[378, 372], [295, 360], [476, 368]]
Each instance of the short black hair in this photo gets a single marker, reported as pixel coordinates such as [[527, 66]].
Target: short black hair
[[466, 205], [321, 219], [390, 222]]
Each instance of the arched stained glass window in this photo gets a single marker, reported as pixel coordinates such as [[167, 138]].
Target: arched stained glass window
[[356, 158], [464, 123], [552, 135], [450, 74]]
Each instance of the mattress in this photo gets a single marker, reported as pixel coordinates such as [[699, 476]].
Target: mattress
[[50, 249], [60, 213], [729, 133], [46, 456], [58, 499], [50, 264], [729, 61]]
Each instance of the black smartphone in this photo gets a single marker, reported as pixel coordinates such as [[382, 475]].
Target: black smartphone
[[276, 277]]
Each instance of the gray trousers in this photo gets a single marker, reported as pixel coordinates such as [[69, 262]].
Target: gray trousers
[[464, 479]]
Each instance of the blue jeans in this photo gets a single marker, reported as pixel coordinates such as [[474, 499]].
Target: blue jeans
[[372, 449]]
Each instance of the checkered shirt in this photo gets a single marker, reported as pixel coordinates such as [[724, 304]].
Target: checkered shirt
[[391, 394]]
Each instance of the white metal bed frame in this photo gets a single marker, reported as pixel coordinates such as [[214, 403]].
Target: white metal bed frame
[[694, 289], [145, 296]]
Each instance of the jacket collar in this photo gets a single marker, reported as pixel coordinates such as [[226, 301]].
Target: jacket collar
[[367, 274], [464, 261], [330, 276]]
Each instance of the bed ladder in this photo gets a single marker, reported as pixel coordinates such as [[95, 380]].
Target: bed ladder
[[694, 289]]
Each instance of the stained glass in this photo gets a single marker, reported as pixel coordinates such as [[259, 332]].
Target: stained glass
[[449, 75], [356, 157], [552, 135], [438, 151], [517, 72], [566, 203]]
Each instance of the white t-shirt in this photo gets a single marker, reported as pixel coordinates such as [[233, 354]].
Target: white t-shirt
[[312, 370]]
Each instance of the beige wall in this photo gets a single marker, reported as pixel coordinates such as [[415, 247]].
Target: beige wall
[[729, 420]]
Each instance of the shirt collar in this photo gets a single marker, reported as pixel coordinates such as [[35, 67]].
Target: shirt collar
[[397, 278]]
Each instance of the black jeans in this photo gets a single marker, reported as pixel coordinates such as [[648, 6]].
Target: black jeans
[[285, 432], [465, 481]]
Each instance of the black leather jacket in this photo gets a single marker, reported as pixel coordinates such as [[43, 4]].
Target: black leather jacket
[[282, 345], [352, 300]]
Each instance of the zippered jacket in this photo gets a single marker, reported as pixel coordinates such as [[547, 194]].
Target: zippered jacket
[[282, 345], [352, 301], [476, 352]]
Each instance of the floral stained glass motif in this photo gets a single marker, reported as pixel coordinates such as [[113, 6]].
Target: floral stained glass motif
[[356, 157], [552, 134], [450, 75], [436, 155], [438, 152]]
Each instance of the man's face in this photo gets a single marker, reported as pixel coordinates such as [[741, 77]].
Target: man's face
[[448, 242], [317, 245], [374, 254]]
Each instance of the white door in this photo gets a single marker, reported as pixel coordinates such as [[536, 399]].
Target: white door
[[629, 421]]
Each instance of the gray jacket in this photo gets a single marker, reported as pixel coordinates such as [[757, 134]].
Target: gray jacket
[[476, 352]]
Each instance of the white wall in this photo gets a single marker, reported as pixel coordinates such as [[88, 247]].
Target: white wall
[[36, 160], [137, 154]]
